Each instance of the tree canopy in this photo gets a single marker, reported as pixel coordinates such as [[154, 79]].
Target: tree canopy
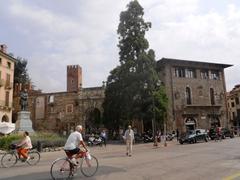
[[20, 71]]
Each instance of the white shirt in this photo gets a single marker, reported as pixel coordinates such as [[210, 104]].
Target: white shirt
[[73, 140], [26, 143], [129, 134]]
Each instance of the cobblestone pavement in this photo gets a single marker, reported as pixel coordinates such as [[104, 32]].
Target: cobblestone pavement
[[212, 160]]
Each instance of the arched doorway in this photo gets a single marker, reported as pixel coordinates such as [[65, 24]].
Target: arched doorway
[[190, 123], [5, 118], [215, 121], [93, 120]]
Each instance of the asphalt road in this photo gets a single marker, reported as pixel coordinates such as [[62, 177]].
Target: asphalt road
[[208, 161]]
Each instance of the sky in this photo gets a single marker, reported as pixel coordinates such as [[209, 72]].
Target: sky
[[54, 34]]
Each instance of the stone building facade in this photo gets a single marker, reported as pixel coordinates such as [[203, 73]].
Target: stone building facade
[[233, 104], [61, 111], [6, 84], [196, 93]]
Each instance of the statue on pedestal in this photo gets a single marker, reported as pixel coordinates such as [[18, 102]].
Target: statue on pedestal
[[24, 100], [24, 122]]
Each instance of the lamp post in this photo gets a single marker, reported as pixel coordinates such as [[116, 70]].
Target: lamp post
[[158, 84]]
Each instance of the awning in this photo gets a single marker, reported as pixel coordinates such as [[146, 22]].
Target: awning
[[6, 128]]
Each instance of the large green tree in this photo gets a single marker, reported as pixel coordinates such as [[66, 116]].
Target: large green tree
[[132, 85]]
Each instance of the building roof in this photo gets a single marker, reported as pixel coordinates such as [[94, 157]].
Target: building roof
[[189, 62], [8, 56]]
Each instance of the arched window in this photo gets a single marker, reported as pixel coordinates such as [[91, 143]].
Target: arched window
[[188, 95], [212, 98], [5, 118]]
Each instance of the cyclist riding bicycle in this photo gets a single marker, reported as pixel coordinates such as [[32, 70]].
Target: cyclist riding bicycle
[[24, 146], [73, 142]]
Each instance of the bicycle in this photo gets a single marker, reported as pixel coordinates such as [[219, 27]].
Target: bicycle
[[63, 168], [11, 158]]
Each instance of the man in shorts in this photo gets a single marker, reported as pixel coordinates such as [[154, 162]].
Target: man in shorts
[[72, 145]]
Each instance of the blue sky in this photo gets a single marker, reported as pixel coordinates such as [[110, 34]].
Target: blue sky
[[54, 34]]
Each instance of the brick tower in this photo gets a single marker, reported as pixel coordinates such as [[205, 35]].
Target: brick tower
[[74, 78]]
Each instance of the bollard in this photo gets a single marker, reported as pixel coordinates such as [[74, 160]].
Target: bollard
[[39, 146], [155, 141]]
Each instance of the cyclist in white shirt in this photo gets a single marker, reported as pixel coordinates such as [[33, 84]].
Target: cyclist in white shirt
[[72, 145], [24, 146]]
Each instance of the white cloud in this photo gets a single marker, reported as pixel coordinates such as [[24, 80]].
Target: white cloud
[[210, 37], [52, 37]]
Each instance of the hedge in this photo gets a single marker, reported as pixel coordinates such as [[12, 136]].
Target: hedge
[[47, 140]]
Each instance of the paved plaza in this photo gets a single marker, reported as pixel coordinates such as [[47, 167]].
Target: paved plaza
[[212, 160]]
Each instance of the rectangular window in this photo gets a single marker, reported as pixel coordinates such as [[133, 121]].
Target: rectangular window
[[204, 74], [9, 65], [190, 73], [69, 108], [0, 60], [237, 100], [7, 99], [232, 104], [214, 75], [179, 72], [233, 115], [8, 80]]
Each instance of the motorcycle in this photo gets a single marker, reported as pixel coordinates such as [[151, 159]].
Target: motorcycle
[[95, 141], [169, 137], [147, 138]]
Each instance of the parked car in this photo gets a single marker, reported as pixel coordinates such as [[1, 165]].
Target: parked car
[[224, 132], [194, 136], [227, 133]]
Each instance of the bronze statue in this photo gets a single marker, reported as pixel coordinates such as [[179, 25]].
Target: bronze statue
[[24, 100]]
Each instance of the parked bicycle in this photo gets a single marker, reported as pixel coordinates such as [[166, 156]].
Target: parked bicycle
[[11, 158], [63, 168]]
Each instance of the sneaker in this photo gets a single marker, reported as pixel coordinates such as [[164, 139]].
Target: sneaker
[[28, 158], [74, 161]]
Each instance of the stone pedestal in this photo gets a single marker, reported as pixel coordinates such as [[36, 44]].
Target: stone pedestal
[[24, 122]]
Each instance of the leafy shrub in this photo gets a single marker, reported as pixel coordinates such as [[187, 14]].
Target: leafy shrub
[[5, 141], [47, 140]]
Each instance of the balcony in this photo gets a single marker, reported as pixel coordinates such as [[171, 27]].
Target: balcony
[[1, 82], [8, 85]]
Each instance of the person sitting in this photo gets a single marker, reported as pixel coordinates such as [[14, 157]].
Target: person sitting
[[24, 146]]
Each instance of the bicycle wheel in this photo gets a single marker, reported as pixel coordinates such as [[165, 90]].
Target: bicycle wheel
[[89, 167], [60, 169], [34, 157], [9, 160]]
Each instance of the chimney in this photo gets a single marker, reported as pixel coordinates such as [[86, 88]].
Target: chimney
[[3, 48]]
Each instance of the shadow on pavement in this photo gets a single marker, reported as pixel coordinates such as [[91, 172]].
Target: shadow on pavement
[[103, 170]]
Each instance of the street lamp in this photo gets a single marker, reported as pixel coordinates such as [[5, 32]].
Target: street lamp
[[158, 84]]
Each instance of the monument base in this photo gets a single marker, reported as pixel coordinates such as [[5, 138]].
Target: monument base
[[24, 122]]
